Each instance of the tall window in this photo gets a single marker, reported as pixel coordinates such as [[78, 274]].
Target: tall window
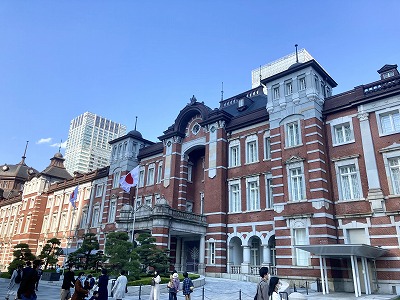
[[234, 154], [251, 149], [147, 200], [84, 218], [349, 182], [343, 133], [212, 253], [141, 178], [150, 174], [394, 165], [288, 88], [234, 196], [99, 190], [292, 134], [302, 83], [269, 194], [296, 182], [301, 257], [159, 173], [267, 147], [112, 211], [96, 216], [190, 172], [275, 92], [390, 122], [253, 194], [116, 178], [27, 224]]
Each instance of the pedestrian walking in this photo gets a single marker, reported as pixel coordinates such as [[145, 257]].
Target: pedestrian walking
[[263, 285], [103, 284], [187, 286], [80, 293], [173, 285], [273, 291], [119, 287], [155, 287], [68, 283], [14, 284], [26, 289], [40, 273]]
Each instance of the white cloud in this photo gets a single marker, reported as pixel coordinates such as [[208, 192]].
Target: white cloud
[[44, 141], [63, 145]]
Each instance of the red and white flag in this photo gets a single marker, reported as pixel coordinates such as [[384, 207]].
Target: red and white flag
[[74, 196], [129, 180]]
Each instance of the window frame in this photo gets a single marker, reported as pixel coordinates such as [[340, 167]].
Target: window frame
[[292, 141], [235, 203], [343, 163], [267, 147], [112, 212], [159, 172], [340, 122], [387, 156], [289, 168], [234, 153], [269, 193], [150, 175], [253, 204], [385, 112], [302, 83], [275, 92], [116, 178], [288, 87], [252, 151]]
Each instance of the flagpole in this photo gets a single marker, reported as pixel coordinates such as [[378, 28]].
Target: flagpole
[[134, 212]]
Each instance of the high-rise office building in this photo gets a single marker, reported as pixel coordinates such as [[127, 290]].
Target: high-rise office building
[[87, 144]]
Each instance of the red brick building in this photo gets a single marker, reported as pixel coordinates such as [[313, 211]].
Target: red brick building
[[284, 175]]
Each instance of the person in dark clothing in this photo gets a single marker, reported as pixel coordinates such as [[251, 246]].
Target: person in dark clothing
[[40, 273], [80, 292], [103, 283], [68, 282], [26, 290]]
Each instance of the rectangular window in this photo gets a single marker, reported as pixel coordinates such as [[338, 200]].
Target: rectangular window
[[54, 223], [253, 194], [300, 238], [293, 134], [99, 190], [150, 175], [141, 178], [116, 178], [63, 221], [296, 184], [189, 206], [349, 182], [269, 193], [32, 203], [267, 148], [302, 83], [394, 165], [212, 253], [234, 159], [343, 133], [357, 236], [147, 200], [252, 155], [275, 92], [190, 172], [112, 211], [159, 173], [288, 88], [27, 223], [84, 219], [95, 218], [234, 197], [390, 122]]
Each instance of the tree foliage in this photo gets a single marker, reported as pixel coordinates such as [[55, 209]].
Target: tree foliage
[[120, 254], [86, 252], [22, 254], [50, 252], [150, 255]]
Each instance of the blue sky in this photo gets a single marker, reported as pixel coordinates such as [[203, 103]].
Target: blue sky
[[122, 59]]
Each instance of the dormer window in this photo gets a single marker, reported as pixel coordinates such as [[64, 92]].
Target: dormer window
[[241, 102], [388, 74]]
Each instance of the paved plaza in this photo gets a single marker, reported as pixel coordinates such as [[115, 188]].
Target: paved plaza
[[214, 289]]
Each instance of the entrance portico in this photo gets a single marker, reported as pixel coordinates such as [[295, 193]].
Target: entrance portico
[[355, 252]]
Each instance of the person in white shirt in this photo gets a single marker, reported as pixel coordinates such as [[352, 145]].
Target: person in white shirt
[[273, 292], [120, 287]]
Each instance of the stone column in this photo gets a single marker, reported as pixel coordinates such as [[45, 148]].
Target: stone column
[[266, 256], [375, 195], [245, 267], [202, 250], [178, 254]]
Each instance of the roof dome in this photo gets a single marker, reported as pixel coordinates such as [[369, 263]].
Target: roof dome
[[135, 134], [58, 155]]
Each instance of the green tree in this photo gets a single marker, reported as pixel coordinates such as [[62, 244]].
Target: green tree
[[150, 255], [22, 254], [120, 254], [89, 243], [50, 252]]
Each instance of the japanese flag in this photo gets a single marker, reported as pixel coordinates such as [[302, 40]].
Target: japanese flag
[[130, 180]]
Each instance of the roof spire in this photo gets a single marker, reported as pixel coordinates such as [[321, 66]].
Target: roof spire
[[222, 91], [297, 55], [24, 156], [135, 122], [59, 148], [260, 75]]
